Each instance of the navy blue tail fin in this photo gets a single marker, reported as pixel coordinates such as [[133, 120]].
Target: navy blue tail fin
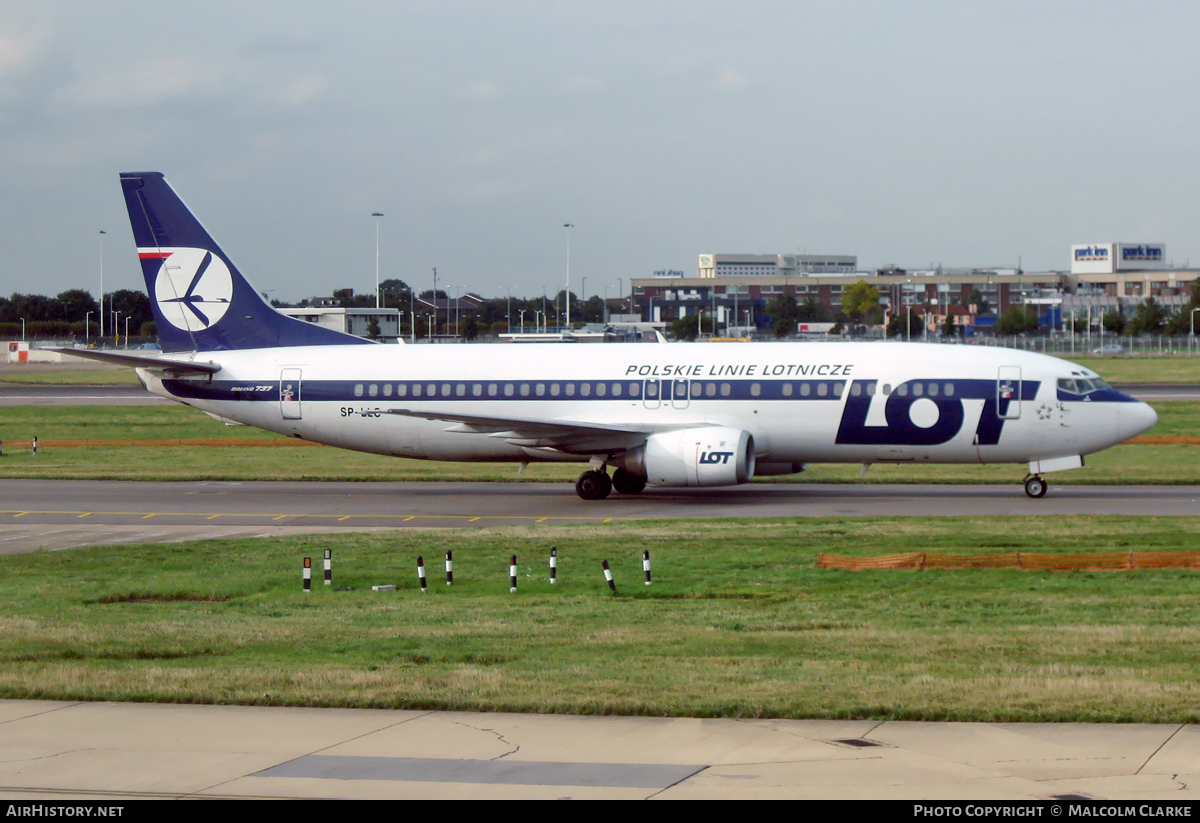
[[200, 300]]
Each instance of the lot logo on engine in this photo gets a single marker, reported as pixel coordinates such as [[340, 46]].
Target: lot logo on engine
[[719, 458]]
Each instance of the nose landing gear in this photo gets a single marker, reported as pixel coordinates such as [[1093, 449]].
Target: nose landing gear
[[1035, 486]]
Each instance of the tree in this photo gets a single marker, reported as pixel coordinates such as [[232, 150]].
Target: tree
[[373, 329], [811, 311], [73, 305], [784, 314], [1114, 322], [897, 325], [394, 293], [859, 300], [1149, 318], [470, 327], [688, 328], [1012, 321], [949, 329]]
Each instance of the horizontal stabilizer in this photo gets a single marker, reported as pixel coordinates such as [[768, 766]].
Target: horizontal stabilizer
[[145, 361]]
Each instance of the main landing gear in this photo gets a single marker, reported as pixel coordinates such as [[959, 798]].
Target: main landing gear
[[1035, 486], [596, 484]]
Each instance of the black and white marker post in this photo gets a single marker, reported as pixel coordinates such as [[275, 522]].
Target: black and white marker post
[[512, 574], [608, 576], [646, 565], [35, 444], [421, 573], [553, 564], [307, 575], [449, 568], [329, 567]]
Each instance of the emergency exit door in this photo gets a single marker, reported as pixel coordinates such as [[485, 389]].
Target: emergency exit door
[[1008, 393], [289, 394]]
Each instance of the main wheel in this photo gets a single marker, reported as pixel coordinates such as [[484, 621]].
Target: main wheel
[[1035, 487], [593, 485], [627, 482]]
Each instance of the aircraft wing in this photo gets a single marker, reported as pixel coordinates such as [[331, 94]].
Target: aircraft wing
[[143, 361], [577, 437]]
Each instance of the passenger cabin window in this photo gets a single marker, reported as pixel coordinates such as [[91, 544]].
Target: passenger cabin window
[[358, 389], [372, 390]]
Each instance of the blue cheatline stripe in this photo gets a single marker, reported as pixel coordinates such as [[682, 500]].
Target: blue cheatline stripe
[[441, 391]]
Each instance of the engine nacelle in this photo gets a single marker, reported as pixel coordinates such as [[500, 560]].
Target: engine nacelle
[[705, 456]]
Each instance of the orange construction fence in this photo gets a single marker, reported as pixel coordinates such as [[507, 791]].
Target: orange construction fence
[[1032, 561]]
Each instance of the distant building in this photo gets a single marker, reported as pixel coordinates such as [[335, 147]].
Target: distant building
[[1109, 258], [350, 321], [775, 265]]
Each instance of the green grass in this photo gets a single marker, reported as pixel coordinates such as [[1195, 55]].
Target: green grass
[[1123, 464], [739, 622], [67, 377], [1142, 369]]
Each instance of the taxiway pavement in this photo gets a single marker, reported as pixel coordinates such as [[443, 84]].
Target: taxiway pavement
[[114, 751], [52, 514]]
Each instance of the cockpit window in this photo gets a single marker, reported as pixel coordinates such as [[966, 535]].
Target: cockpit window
[[1082, 385]]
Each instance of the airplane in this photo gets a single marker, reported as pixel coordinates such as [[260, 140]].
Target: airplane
[[677, 415]]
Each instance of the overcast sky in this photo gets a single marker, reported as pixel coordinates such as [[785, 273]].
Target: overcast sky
[[965, 133]]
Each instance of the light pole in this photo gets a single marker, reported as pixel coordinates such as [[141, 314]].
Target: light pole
[[508, 309], [101, 312], [87, 326], [522, 313], [582, 299], [568, 227], [127, 331], [22, 328], [621, 290], [457, 303], [376, 215], [1192, 320]]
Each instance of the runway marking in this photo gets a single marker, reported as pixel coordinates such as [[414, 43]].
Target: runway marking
[[147, 517], [213, 517], [347, 517], [412, 517], [404, 518], [473, 519], [85, 514]]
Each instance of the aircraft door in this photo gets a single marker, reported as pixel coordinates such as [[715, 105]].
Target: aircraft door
[[1008, 393], [679, 394], [289, 394], [650, 394]]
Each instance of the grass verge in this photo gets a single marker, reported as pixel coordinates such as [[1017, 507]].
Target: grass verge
[[738, 622]]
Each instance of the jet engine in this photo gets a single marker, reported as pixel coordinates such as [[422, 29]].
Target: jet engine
[[705, 456]]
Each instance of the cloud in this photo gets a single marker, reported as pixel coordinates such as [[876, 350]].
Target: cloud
[[144, 83], [582, 86], [304, 90], [480, 91], [732, 80]]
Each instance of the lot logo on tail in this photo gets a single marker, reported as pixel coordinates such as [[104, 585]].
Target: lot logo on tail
[[193, 287]]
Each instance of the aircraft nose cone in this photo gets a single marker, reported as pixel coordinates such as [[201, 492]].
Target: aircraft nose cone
[[1135, 419]]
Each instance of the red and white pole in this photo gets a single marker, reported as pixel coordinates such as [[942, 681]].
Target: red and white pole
[[553, 564], [421, 573], [307, 575], [512, 573], [608, 576], [646, 564]]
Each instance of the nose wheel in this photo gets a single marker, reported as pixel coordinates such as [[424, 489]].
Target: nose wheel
[[593, 485], [1035, 487]]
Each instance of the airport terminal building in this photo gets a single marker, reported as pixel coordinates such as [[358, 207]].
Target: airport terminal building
[[735, 288]]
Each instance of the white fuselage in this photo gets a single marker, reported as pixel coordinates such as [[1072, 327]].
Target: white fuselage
[[802, 402]]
